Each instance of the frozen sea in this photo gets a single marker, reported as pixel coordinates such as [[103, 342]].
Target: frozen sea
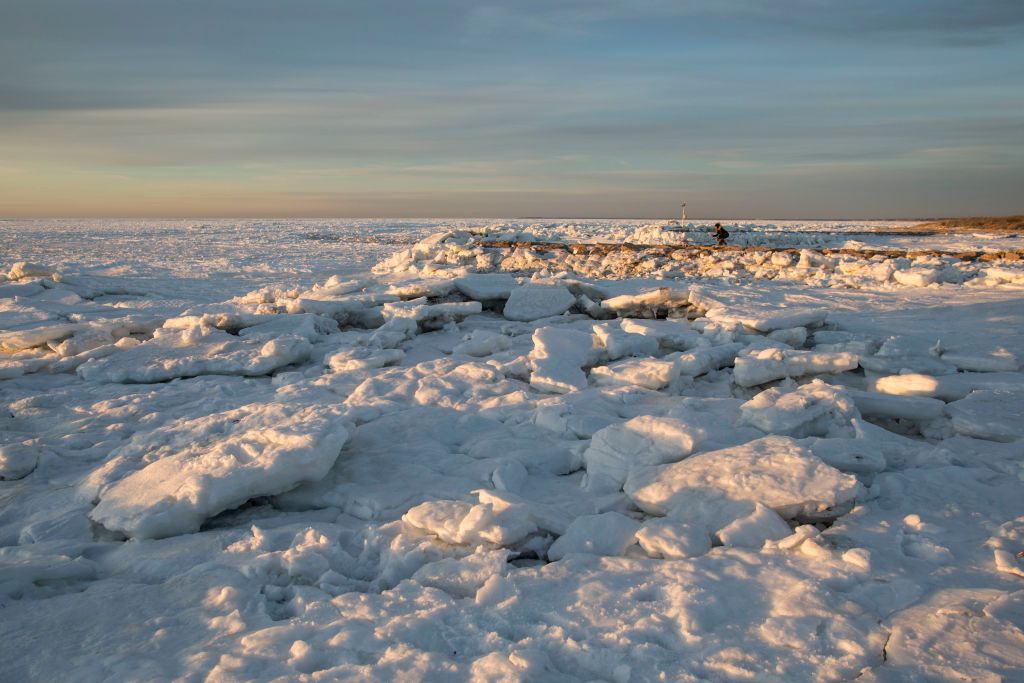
[[236, 450]]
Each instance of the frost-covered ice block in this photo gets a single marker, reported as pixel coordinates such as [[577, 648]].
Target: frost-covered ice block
[[875, 404], [814, 409], [609, 533], [947, 387], [646, 303], [196, 351], [619, 343], [996, 415], [673, 539], [752, 530], [431, 316], [858, 455], [706, 358], [920, 363], [25, 269], [650, 373], [486, 286], [793, 336], [917, 277], [17, 460], [672, 335], [37, 335], [533, 302], [767, 365], [363, 358], [481, 343], [775, 471], [646, 440], [558, 357], [492, 521], [196, 468], [769, 318], [999, 360], [415, 289]]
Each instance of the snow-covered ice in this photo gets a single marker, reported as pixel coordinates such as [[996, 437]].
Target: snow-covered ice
[[509, 451]]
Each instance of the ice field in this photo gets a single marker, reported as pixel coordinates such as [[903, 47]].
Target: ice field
[[428, 450]]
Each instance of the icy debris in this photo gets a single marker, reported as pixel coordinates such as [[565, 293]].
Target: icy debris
[[646, 440], [947, 387], [558, 357], [649, 373], [190, 352], [492, 522], [534, 301], [486, 286], [648, 304], [814, 409], [996, 415], [767, 365], [609, 533], [193, 469], [775, 471]]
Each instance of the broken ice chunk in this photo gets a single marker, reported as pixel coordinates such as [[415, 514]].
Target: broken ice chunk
[[766, 365], [609, 533], [197, 468], [775, 471], [994, 415], [532, 302], [814, 409], [646, 440], [650, 373], [673, 539], [558, 357]]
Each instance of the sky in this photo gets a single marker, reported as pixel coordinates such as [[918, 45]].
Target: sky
[[599, 108]]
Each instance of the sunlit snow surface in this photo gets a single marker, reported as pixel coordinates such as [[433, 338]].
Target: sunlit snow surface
[[392, 450]]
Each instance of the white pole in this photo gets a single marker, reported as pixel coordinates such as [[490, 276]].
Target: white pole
[[682, 216]]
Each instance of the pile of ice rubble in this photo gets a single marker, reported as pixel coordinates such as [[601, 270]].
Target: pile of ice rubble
[[476, 475], [463, 252]]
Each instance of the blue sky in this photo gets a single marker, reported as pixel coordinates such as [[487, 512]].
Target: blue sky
[[743, 108]]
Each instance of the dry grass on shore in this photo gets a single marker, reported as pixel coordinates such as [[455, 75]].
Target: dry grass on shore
[[974, 224]]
